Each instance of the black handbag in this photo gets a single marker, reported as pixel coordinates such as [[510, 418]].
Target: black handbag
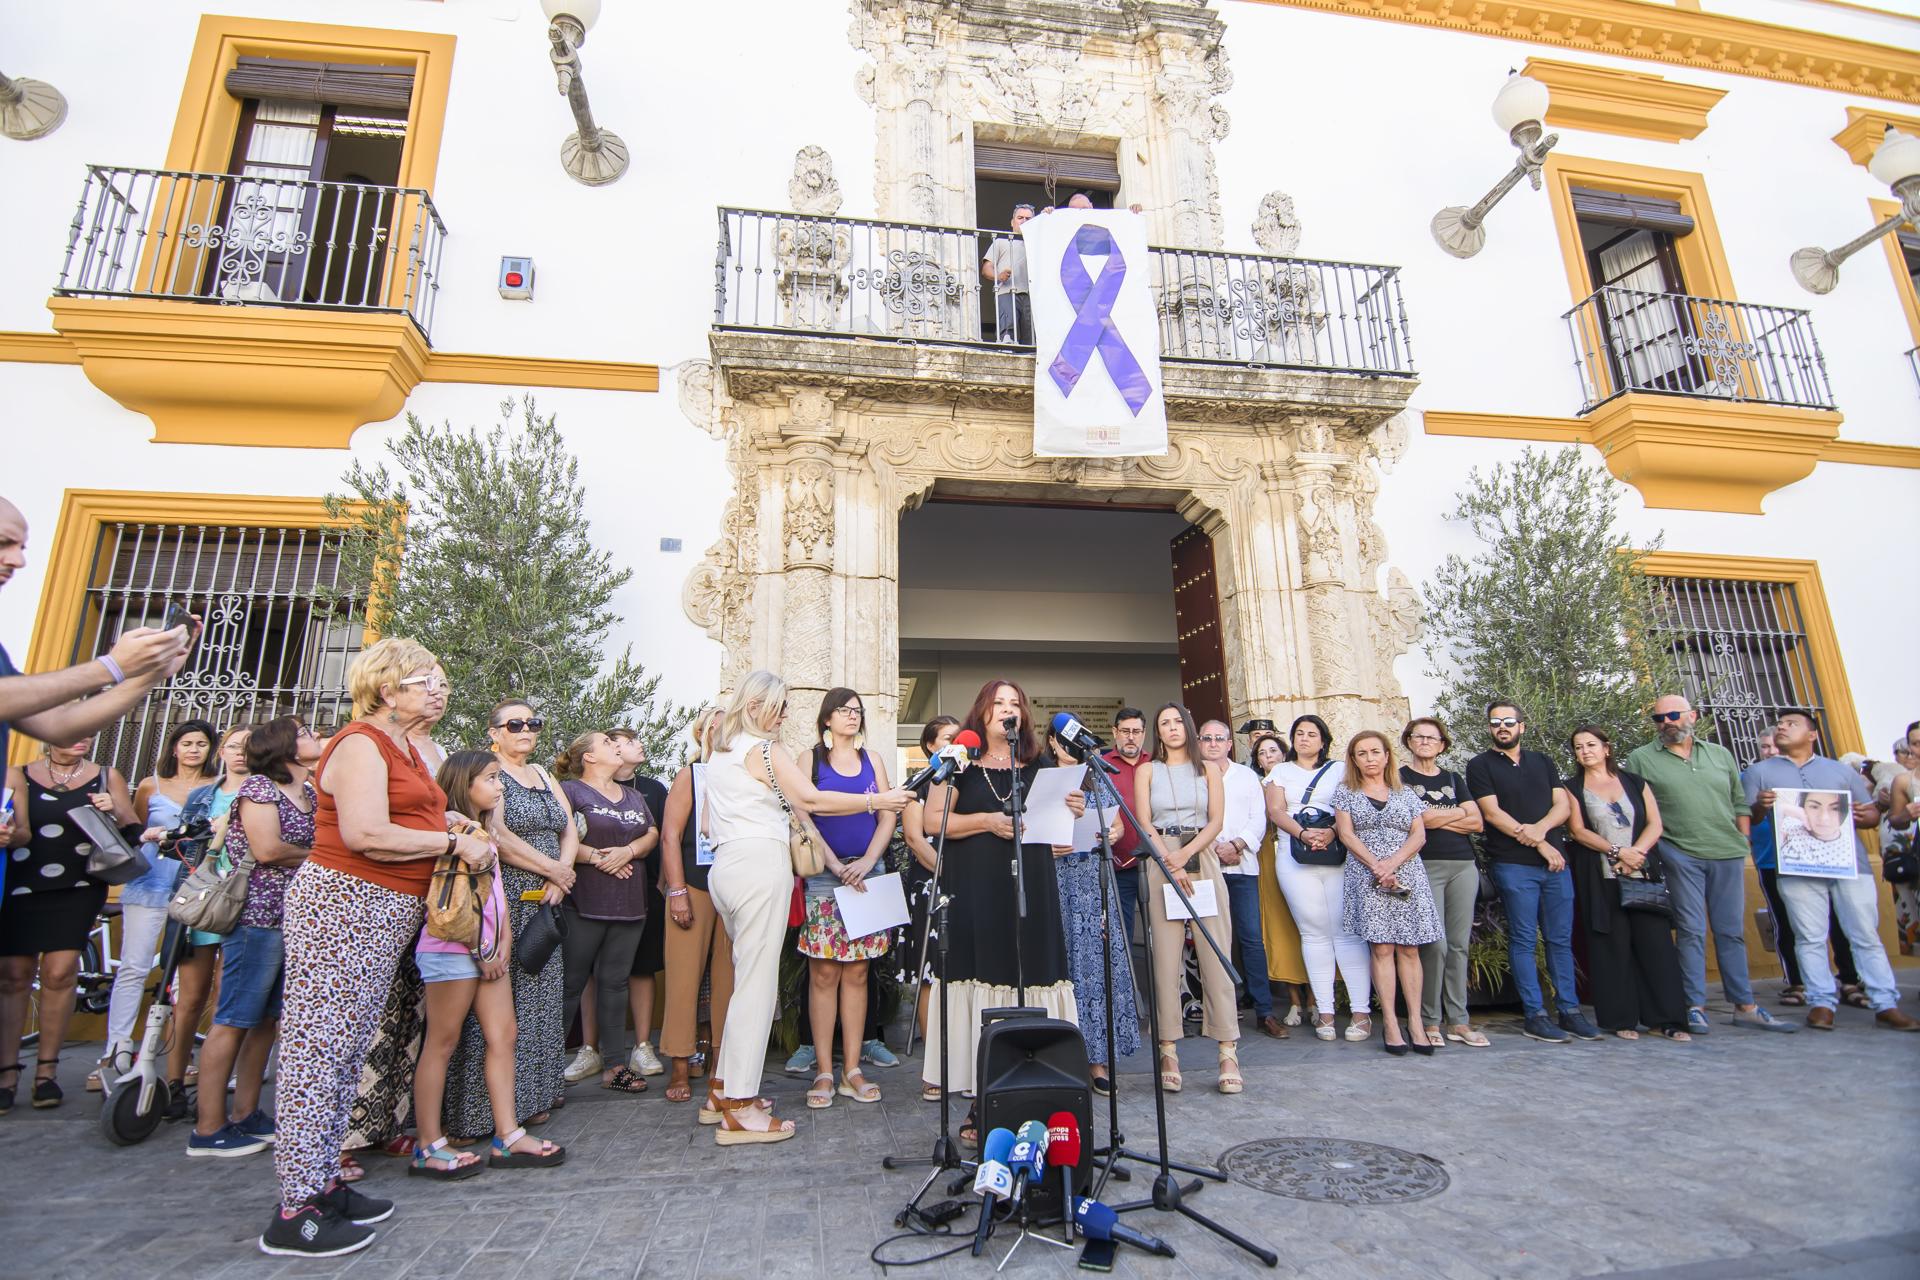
[[1650, 894], [545, 930], [1313, 817], [1900, 864]]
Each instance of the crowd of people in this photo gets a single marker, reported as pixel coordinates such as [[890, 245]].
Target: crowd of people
[[1343, 878]]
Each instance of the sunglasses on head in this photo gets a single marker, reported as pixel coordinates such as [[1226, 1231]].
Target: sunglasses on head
[[517, 725], [1502, 722], [1669, 716]]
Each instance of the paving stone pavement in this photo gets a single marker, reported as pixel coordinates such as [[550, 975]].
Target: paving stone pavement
[[1744, 1154]]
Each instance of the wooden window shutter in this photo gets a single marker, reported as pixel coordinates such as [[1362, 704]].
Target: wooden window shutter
[[337, 84], [1013, 162], [1617, 209]]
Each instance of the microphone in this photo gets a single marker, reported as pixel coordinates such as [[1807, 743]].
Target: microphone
[[1009, 725], [1098, 1222], [994, 1181], [970, 742], [1029, 1157], [1081, 743], [1063, 1151], [944, 765]]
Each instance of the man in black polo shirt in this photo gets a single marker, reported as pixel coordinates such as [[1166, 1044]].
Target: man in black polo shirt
[[1525, 809]]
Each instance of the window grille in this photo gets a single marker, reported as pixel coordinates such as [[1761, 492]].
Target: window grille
[[1744, 657], [269, 647]]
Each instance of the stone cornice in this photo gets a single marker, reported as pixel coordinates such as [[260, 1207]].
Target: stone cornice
[[1865, 127], [1637, 104], [1664, 33]]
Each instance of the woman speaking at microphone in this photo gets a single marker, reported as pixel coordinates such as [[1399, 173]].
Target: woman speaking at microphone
[[982, 970]]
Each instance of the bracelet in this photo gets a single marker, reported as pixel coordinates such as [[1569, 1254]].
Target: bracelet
[[681, 892], [113, 668]]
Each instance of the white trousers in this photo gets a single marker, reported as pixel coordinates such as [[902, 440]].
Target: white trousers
[[751, 885], [140, 930], [1313, 896]]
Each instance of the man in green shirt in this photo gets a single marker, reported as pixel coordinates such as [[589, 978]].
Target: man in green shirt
[[1703, 850]]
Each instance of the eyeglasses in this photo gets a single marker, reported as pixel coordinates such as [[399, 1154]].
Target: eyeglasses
[[850, 709], [304, 732], [1502, 722], [517, 725], [1129, 733], [1669, 716], [1215, 737], [1425, 737], [432, 684]]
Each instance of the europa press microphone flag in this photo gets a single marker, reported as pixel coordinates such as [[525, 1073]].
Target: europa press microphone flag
[[1096, 385]]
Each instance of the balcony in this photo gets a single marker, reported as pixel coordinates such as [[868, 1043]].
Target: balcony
[[1674, 344], [250, 310], [921, 285]]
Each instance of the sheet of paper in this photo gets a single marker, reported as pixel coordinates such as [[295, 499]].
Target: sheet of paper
[[1086, 830], [882, 906], [1205, 903], [1046, 818]]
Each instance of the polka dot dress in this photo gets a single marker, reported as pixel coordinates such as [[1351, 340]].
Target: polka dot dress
[[50, 902]]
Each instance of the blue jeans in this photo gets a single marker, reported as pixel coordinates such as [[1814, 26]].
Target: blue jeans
[[1538, 901], [1128, 883], [1857, 904], [1243, 900], [251, 960], [1710, 892]]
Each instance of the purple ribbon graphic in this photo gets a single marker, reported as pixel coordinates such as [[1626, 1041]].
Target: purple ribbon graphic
[[1093, 328]]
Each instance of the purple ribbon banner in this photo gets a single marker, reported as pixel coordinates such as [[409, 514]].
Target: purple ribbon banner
[[1093, 328]]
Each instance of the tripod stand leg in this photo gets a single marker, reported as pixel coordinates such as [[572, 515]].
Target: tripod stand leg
[[1267, 1256]]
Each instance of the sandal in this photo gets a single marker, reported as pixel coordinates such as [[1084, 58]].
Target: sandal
[[399, 1148], [46, 1089], [624, 1081], [819, 1096], [679, 1091], [350, 1170], [865, 1091], [1360, 1028], [1794, 996], [737, 1116], [1854, 995], [452, 1165], [970, 1128], [1628, 1034], [540, 1117], [503, 1155], [1170, 1052], [1462, 1033], [1677, 1035], [6, 1093], [716, 1103], [1324, 1030], [1230, 1081], [930, 1093]]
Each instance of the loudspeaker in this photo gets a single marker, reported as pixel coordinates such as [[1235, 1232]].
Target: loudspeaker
[[1030, 1067]]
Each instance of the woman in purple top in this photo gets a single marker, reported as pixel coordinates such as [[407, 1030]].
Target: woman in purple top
[[271, 822], [836, 964], [607, 907]]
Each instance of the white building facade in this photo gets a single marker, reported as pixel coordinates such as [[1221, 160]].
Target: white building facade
[[259, 238]]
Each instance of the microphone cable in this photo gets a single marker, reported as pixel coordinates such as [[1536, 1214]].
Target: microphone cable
[[946, 1230]]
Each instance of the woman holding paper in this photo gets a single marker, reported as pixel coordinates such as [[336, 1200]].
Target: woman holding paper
[[1185, 800], [1077, 868], [836, 964]]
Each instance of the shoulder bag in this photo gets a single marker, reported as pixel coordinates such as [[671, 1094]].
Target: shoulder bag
[[457, 897], [803, 840], [1313, 817], [1649, 894], [112, 860]]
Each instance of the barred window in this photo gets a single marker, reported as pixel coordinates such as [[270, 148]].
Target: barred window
[[1744, 656], [268, 646]]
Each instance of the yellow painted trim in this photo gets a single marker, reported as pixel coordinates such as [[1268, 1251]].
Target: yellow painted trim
[[1823, 641], [1504, 426], [1902, 282], [1637, 104], [540, 371], [1703, 260], [1709, 455], [1866, 453], [1663, 33], [1865, 127], [36, 348]]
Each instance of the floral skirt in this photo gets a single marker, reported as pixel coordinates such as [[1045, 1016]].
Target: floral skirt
[[823, 937]]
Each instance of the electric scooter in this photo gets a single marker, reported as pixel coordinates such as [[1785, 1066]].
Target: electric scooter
[[136, 1101]]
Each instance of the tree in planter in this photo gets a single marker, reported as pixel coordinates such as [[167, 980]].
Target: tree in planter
[[479, 548], [1556, 613]]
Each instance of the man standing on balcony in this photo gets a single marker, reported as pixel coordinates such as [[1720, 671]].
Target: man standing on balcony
[[49, 706], [1703, 807], [1006, 266]]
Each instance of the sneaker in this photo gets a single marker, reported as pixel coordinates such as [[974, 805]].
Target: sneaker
[[230, 1140], [875, 1053], [801, 1063], [1539, 1027], [1697, 1023], [1575, 1024], [359, 1209], [643, 1061], [259, 1125], [586, 1062], [313, 1231], [1761, 1020]]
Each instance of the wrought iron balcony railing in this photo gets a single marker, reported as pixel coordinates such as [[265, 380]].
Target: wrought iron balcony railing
[[226, 238], [1676, 344], [852, 277]]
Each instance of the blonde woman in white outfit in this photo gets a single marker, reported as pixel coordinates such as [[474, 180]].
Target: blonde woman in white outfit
[[751, 885], [1313, 889]]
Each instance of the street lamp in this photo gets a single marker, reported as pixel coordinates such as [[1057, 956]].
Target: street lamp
[[1896, 162], [590, 154], [1519, 109], [30, 109]]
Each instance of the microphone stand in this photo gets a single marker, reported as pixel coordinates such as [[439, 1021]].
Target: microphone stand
[[1099, 771], [1169, 1194], [946, 1153], [1015, 808]]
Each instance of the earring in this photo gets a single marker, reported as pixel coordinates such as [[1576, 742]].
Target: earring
[[860, 739], [826, 739]]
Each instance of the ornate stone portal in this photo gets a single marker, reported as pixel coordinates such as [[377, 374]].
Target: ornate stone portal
[[830, 440]]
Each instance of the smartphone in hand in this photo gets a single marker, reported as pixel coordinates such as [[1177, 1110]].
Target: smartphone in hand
[[177, 616]]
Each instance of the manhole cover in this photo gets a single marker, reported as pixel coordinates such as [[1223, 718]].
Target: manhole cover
[[1335, 1171]]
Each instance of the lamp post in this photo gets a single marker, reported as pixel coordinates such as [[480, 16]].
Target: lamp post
[[1896, 162], [1519, 109], [30, 109], [590, 154]]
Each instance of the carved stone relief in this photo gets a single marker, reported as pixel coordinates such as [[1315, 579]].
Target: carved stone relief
[[1276, 227], [813, 188]]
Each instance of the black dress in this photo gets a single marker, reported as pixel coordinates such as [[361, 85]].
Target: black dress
[[1633, 968], [50, 901], [983, 916]]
